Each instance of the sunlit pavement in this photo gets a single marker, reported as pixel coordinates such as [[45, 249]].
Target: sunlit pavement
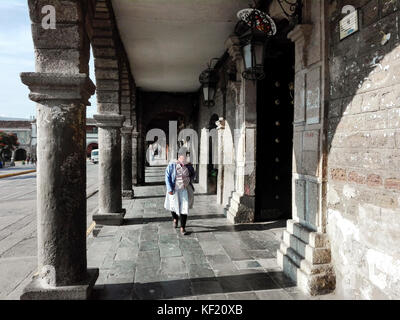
[[18, 243], [147, 258]]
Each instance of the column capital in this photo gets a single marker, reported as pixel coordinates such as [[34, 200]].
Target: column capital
[[135, 134], [232, 44], [109, 120], [58, 86], [220, 124], [127, 129]]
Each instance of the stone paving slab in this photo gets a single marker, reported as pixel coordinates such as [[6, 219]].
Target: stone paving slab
[[147, 258]]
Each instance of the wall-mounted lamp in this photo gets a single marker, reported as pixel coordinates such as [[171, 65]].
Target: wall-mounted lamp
[[261, 26], [209, 80]]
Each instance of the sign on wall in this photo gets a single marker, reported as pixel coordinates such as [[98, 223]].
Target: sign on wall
[[348, 25]]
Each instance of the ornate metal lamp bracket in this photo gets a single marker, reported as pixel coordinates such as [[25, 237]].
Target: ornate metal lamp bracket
[[291, 9]]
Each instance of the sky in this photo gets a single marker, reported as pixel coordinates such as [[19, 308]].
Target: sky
[[16, 56]]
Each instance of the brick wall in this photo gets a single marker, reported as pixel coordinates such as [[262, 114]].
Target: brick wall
[[364, 151]]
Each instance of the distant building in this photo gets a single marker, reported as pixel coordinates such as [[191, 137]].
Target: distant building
[[91, 136], [26, 131]]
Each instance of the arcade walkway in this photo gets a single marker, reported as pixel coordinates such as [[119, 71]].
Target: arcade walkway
[[147, 258]]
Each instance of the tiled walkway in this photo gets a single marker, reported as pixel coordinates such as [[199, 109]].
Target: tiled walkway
[[147, 258]]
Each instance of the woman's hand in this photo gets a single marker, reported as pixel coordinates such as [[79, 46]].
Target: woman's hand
[[171, 193]]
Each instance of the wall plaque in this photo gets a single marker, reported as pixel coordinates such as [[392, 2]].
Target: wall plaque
[[348, 25]]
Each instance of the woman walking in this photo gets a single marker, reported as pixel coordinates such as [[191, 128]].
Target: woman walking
[[180, 192]]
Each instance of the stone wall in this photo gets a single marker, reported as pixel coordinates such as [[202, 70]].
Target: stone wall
[[364, 152]]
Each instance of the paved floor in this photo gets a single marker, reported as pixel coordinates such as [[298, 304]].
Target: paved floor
[[147, 258], [18, 242]]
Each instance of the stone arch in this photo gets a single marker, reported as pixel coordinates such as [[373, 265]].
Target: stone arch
[[162, 120], [107, 58], [20, 154], [91, 146]]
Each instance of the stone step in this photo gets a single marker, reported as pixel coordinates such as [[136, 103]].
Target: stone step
[[306, 251], [314, 239], [302, 263], [312, 280], [295, 243], [312, 269], [234, 205], [291, 253], [288, 266]]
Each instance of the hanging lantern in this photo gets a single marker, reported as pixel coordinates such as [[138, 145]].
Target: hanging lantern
[[209, 80], [253, 42], [253, 50]]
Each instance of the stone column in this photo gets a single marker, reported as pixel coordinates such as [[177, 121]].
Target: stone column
[[61, 186], [203, 160], [220, 182], [141, 159], [126, 134], [241, 208], [110, 200], [135, 136]]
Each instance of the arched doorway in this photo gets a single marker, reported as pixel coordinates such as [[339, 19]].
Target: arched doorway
[[158, 152], [90, 148], [161, 121], [20, 155], [275, 110]]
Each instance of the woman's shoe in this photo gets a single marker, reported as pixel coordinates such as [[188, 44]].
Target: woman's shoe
[[175, 223], [183, 232]]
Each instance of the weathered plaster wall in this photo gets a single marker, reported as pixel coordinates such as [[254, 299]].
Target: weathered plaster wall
[[364, 152]]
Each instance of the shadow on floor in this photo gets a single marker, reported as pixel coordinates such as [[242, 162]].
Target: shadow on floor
[[133, 221], [171, 289], [148, 197], [226, 228], [163, 195], [241, 227], [152, 184]]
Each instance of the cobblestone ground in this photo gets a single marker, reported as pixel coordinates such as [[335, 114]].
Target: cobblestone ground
[[147, 258]]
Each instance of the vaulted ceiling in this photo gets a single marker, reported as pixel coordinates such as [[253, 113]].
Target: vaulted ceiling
[[169, 42]]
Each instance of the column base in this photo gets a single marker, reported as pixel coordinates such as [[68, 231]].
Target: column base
[[110, 219], [35, 290], [240, 209], [305, 257], [127, 194]]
